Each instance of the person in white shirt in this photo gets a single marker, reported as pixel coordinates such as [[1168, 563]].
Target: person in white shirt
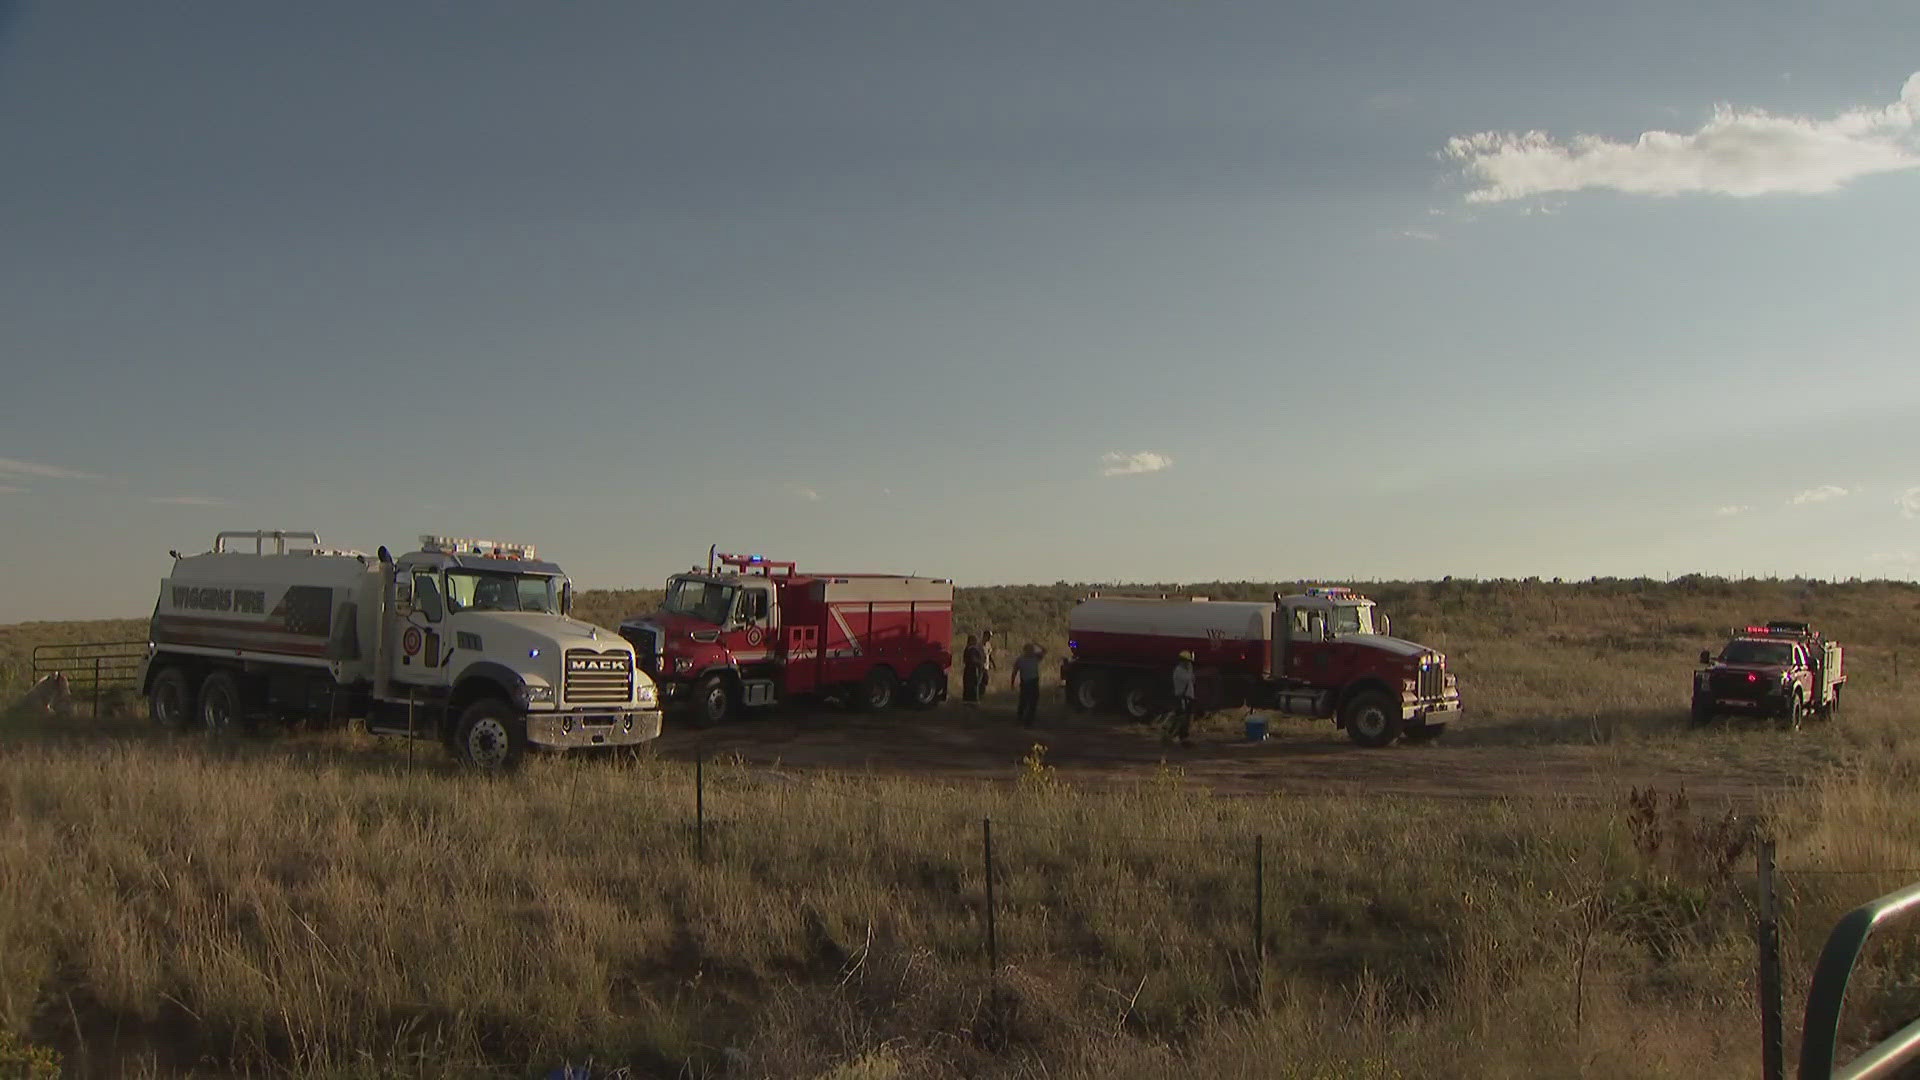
[[1182, 716]]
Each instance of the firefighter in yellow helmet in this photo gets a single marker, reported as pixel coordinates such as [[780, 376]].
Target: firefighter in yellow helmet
[[1181, 717]]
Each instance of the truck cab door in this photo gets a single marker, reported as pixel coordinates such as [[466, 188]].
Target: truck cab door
[[753, 614], [1305, 646], [416, 640]]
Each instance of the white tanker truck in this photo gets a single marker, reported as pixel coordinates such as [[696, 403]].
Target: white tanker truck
[[469, 642]]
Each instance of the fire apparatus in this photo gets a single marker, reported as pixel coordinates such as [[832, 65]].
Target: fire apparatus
[[466, 641], [1782, 669], [1322, 653], [752, 631]]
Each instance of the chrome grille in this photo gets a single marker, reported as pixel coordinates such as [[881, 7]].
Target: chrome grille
[[1433, 680], [598, 677]]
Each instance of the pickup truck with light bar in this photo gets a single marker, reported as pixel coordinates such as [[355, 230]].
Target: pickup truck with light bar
[[1322, 653], [1782, 670], [748, 631], [470, 642]]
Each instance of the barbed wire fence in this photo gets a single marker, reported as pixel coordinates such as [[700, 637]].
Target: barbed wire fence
[[998, 839]]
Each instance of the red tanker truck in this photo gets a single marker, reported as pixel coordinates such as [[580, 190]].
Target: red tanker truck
[[1321, 653], [752, 631]]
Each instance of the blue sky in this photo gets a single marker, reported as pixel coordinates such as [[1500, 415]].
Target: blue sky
[[1002, 291]]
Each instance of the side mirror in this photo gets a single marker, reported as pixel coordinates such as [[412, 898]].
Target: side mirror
[[1384, 625], [566, 598], [402, 594], [1706, 658]]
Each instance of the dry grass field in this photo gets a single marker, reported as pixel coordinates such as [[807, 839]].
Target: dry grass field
[[1511, 902]]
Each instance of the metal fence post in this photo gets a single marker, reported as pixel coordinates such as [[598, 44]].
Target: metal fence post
[[700, 805], [1767, 937], [96, 687], [1259, 918]]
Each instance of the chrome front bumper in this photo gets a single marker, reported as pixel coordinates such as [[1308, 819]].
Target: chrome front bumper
[[574, 730]]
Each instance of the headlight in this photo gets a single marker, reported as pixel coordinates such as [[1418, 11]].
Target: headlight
[[683, 663], [527, 695], [647, 696]]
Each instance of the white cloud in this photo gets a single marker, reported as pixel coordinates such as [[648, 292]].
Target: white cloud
[[11, 467], [188, 500], [1419, 234], [1146, 461], [1739, 152], [1730, 511], [1820, 494], [1896, 558], [1909, 502], [802, 491]]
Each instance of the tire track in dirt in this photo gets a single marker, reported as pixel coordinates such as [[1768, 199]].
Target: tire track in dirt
[[1303, 759]]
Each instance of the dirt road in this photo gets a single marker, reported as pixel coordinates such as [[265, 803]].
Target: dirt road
[[1301, 757]]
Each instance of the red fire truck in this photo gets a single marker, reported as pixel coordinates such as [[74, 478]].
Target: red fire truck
[[1321, 653], [752, 631], [1784, 669]]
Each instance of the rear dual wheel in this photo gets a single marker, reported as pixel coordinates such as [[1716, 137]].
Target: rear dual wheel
[[877, 691], [170, 700], [925, 687], [1140, 698], [1088, 691], [223, 709]]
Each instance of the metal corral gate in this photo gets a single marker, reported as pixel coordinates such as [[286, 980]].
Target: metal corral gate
[[1820, 1033], [91, 667]]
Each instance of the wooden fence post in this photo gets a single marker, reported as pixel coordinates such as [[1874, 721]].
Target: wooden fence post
[[1767, 937]]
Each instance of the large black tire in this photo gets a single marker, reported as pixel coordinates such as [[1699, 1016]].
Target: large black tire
[[491, 736], [170, 700], [1373, 719], [1089, 690], [925, 688], [1701, 713], [222, 711], [1796, 708], [1140, 698], [1832, 708], [876, 692], [715, 701]]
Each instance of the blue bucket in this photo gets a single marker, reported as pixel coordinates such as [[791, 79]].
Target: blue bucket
[[1256, 729]]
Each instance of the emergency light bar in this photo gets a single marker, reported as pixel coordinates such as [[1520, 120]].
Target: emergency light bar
[[1329, 590], [1778, 630], [753, 562], [460, 545]]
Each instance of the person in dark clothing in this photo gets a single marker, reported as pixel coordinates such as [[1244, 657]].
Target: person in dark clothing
[[1026, 677], [973, 671]]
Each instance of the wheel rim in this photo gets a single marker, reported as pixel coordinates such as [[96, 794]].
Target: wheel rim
[[1371, 722], [923, 692], [879, 695], [1137, 704], [1086, 695], [169, 704], [218, 712], [487, 743], [717, 704]]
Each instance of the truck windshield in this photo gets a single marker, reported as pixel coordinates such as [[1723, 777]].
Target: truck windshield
[[708, 601], [1757, 652], [480, 590], [1352, 619]]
